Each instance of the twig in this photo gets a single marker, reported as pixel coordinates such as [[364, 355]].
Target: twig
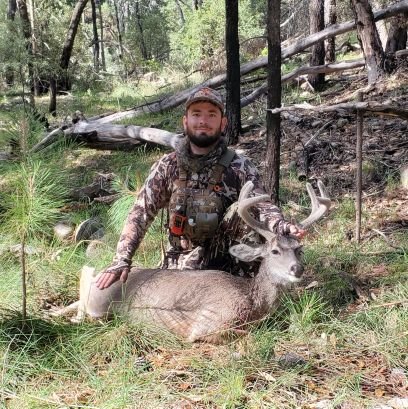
[[382, 234], [387, 304]]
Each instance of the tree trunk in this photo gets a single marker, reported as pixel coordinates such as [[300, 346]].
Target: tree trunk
[[11, 13], [316, 15], [143, 48], [197, 4], [232, 83], [22, 6], [397, 36], [330, 55], [119, 35], [72, 30], [369, 40], [98, 3], [382, 25], [66, 56], [36, 84], [95, 36], [52, 108], [273, 130], [181, 14]]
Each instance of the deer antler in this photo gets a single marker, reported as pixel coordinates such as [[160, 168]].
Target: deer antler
[[245, 202], [320, 204]]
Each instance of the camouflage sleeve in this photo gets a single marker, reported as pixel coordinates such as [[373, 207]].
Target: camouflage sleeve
[[153, 196], [267, 211]]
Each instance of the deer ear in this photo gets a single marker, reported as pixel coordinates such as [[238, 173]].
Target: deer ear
[[247, 253]]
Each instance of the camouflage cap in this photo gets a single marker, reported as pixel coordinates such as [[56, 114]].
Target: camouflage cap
[[206, 94]]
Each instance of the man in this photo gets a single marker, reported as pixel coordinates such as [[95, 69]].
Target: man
[[197, 183]]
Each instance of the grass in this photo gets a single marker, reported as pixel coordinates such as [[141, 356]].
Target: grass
[[346, 333]]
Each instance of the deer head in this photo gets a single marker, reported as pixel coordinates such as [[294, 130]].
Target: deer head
[[280, 255]]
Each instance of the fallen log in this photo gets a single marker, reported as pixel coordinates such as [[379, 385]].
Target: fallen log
[[113, 137], [369, 106]]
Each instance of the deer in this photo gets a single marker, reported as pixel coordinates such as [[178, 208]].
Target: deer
[[206, 305]]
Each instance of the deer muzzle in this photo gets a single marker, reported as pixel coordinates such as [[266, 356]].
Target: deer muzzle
[[297, 270]]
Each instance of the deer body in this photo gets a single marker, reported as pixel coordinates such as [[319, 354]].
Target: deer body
[[202, 304]]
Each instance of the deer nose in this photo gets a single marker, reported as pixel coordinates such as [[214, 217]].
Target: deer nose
[[297, 270]]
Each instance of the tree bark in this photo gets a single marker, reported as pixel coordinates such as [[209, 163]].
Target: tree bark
[[72, 30], [22, 6], [99, 5], [273, 130], [119, 35], [11, 9], [180, 11], [397, 35], [143, 48], [95, 36], [11, 13], [233, 78], [369, 40], [316, 14], [66, 54], [330, 55], [36, 84]]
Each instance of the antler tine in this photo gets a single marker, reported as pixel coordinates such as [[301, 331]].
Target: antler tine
[[245, 202], [320, 205]]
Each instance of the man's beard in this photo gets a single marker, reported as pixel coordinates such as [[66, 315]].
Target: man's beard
[[203, 140]]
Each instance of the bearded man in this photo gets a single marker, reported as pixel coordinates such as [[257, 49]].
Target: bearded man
[[197, 184]]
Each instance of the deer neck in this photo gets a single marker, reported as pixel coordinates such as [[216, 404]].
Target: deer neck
[[264, 291]]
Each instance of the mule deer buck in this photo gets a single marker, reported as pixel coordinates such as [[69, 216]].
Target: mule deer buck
[[206, 304]]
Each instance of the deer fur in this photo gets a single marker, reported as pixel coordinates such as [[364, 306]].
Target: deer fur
[[202, 305]]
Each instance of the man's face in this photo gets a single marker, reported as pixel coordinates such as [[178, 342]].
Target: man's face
[[204, 123]]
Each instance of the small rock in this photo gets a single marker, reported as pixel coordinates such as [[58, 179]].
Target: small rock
[[290, 360], [398, 403], [404, 176], [342, 122], [323, 404], [63, 230], [86, 229], [317, 123], [17, 250]]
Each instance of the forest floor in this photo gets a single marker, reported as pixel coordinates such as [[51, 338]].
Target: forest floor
[[339, 340]]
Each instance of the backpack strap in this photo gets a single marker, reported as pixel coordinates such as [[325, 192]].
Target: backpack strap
[[219, 168]]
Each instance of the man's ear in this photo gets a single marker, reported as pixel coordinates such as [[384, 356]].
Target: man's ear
[[247, 253], [224, 123], [184, 122]]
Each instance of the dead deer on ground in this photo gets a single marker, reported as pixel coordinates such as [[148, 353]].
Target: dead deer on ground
[[206, 304]]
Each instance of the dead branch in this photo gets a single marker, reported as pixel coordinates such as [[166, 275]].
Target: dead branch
[[326, 68], [369, 106]]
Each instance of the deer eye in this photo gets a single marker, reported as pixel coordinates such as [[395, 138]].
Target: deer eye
[[275, 252]]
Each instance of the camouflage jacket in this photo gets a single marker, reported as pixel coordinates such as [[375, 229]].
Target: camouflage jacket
[[158, 188]]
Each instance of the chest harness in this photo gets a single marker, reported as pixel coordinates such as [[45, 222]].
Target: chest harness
[[194, 214]]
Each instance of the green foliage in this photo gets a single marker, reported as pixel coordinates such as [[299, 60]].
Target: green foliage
[[32, 206], [305, 312], [203, 34]]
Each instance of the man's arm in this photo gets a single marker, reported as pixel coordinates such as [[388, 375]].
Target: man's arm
[[153, 196]]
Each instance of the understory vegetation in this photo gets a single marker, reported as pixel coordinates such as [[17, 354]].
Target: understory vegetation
[[340, 337]]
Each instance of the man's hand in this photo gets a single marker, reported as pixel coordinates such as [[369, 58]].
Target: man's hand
[[118, 270], [296, 231]]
